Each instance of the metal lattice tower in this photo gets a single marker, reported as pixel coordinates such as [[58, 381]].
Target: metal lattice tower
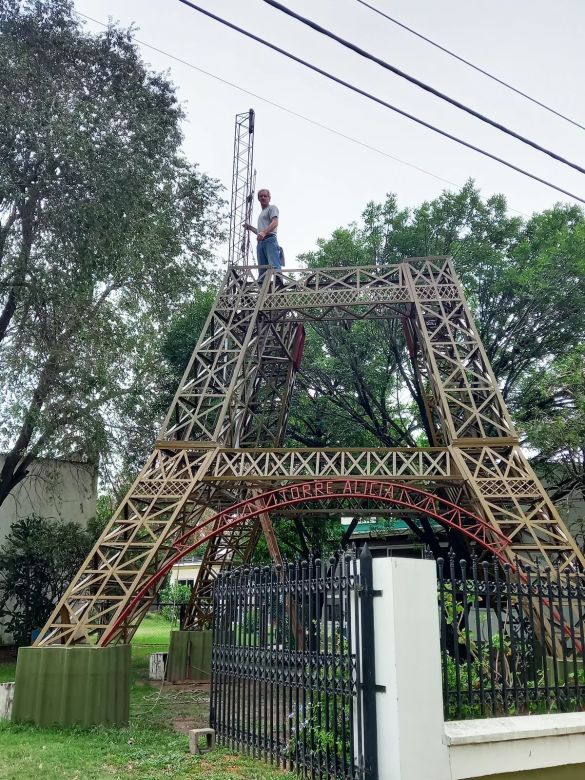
[[219, 445], [219, 450], [242, 199]]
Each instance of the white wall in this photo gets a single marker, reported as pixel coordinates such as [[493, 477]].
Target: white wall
[[414, 742], [185, 570], [408, 664], [55, 489], [494, 746]]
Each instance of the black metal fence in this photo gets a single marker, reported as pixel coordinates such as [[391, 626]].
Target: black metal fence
[[286, 666], [512, 639]]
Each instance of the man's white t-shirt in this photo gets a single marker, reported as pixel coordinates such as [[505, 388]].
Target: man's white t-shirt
[[265, 218]]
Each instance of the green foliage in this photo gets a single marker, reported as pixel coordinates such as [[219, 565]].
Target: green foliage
[[104, 509], [317, 536], [551, 409], [174, 595], [496, 679], [105, 229], [185, 328], [525, 281], [179, 342], [323, 720], [37, 562]]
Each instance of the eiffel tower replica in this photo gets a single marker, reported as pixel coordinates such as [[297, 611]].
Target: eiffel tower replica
[[218, 471]]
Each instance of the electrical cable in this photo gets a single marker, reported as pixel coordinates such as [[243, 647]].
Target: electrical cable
[[378, 100], [471, 65], [284, 108], [290, 111], [417, 82]]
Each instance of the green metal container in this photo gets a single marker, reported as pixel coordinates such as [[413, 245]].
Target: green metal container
[[66, 686], [189, 656], [550, 665]]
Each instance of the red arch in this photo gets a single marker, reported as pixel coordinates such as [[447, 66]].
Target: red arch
[[445, 512]]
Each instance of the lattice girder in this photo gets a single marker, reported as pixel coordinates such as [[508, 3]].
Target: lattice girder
[[127, 550], [219, 442], [465, 391], [377, 493], [512, 497], [243, 178]]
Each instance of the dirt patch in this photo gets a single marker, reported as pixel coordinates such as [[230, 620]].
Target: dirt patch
[[198, 694], [184, 725], [183, 685], [188, 685]]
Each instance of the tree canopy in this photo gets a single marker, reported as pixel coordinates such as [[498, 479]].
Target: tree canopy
[[525, 282], [105, 230]]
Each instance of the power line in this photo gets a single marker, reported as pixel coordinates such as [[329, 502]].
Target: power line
[[470, 64], [378, 100], [296, 114], [287, 110], [290, 111], [417, 82]]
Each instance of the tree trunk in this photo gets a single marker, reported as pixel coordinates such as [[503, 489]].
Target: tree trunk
[[15, 467]]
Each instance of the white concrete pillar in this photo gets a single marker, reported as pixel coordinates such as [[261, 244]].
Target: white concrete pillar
[[6, 699], [407, 645], [157, 666]]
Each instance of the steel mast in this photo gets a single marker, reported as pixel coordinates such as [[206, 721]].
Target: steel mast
[[243, 182]]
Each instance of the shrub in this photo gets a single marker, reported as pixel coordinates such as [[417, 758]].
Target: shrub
[[38, 560]]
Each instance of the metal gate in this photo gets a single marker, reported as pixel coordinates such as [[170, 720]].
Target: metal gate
[[286, 679]]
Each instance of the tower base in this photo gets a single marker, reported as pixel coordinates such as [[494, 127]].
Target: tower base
[[189, 656], [67, 686]]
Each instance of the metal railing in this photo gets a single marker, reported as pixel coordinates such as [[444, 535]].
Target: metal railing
[[512, 639], [286, 666]]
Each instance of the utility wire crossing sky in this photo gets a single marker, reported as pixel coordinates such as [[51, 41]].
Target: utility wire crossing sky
[[326, 141], [470, 64], [368, 95], [421, 84]]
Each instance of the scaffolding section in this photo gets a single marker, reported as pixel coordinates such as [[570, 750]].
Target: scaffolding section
[[243, 182]]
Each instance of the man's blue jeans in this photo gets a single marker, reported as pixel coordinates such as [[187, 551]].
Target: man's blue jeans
[[268, 255]]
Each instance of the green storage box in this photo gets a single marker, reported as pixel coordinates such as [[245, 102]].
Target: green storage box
[[79, 685], [189, 656]]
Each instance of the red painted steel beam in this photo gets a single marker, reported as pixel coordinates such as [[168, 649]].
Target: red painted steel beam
[[469, 524]]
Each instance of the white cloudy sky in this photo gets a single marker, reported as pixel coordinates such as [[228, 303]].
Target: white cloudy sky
[[321, 181]]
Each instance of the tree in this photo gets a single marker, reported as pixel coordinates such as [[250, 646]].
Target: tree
[[551, 409], [144, 408], [300, 537], [105, 229], [37, 562], [173, 596], [525, 282]]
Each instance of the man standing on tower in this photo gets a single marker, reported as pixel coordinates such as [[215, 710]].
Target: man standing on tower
[[268, 251]]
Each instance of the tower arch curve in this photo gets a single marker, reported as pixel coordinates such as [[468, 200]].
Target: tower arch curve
[[309, 492]]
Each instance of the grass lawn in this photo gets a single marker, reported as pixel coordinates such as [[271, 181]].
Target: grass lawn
[[152, 637], [153, 747], [7, 672]]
